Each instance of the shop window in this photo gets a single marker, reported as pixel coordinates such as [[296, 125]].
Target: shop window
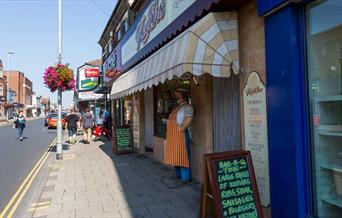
[[123, 112], [164, 102], [324, 37]]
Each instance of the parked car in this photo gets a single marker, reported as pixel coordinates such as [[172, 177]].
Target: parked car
[[52, 121]]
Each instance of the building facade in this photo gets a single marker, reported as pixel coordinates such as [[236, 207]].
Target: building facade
[[45, 105], [23, 88], [37, 105], [88, 79], [304, 67], [209, 48], [264, 76], [3, 93]]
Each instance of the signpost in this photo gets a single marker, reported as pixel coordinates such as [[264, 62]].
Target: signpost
[[123, 139], [229, 186]]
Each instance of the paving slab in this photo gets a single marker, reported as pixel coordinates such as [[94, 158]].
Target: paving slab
[[91, 181]]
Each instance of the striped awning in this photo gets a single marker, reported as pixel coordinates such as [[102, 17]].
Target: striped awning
[[210, 46]]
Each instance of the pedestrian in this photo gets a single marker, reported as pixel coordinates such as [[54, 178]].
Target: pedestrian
[[106, 117], [77, 112], [177, 149], [100, 119], [88, 123], [71, 126], [20, 124]]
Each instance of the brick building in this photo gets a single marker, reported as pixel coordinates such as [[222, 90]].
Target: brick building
[[2, 92], [23, 88]]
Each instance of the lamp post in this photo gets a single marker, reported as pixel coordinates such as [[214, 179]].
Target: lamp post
[[59, 98], [8, 96]]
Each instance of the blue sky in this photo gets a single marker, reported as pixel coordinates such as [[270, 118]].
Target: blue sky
[[29, 28]]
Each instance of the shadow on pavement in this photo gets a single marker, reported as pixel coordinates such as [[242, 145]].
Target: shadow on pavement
[[64, 148], [149, 189]]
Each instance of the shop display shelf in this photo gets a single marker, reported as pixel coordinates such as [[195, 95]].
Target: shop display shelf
[[335, 202], [332, 167], [330, 98], [329, 133], [335, 128]]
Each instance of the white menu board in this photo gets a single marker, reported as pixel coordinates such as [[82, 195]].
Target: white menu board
[[256, 141]]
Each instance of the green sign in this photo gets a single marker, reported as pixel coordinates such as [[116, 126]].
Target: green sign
[[229, 187], [235, 188], [123, 137], [88, 84]]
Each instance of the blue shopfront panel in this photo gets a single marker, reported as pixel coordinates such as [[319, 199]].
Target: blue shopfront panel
[[287, 116], [266, 5]]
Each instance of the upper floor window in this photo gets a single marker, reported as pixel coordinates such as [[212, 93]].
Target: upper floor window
[[1, 90], [28, 99]]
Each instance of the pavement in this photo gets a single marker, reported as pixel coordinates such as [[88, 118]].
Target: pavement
[[91, 181], [17, 158]]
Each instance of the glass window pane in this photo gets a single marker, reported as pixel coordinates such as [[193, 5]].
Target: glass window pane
[[324, 34]]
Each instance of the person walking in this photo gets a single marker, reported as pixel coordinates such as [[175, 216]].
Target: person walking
[[71, 126], [87, 123], [79, 123], [20, 124]]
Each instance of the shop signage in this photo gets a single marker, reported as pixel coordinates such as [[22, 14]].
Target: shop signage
[[88, 79], [229, 183], [148, 22], [123, 139], [92, 73], [155, 19], [89, 96], [112, 66], [256, 139], [2, 99]]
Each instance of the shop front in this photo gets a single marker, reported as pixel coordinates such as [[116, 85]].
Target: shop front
[[212, 59], [204, 60], [2, 107], [304, 106]]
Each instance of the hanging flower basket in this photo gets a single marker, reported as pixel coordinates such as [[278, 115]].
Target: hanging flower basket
[[59, 77]]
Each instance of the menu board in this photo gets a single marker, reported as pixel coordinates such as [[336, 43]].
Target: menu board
[[123, 139], [233, 186], [256, 139]]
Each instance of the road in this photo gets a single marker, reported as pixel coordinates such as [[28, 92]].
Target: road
[[17, 158]]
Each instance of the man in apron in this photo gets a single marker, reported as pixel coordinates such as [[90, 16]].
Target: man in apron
[[177, 150]]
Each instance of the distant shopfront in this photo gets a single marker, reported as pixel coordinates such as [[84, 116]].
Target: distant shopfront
[[212, 57], [304, 106]]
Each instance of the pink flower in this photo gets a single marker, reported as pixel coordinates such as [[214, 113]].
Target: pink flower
[[59, 77]]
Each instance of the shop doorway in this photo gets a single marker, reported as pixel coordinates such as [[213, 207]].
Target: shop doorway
[[226, 114], [149, 118]]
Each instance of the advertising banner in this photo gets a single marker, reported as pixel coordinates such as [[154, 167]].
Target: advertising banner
[[89, 96], [88, 78], [112, 66]]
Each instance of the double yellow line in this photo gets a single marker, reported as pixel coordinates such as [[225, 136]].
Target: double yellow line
[[20, 193]]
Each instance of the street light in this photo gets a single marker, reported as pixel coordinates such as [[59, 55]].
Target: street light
[[8, 96], [59, 98]]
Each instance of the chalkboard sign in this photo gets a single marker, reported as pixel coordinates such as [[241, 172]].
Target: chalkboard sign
[[123, 139], [232, 186]]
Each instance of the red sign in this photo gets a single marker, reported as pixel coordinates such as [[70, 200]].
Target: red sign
[[92, 73], [113, 74]]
